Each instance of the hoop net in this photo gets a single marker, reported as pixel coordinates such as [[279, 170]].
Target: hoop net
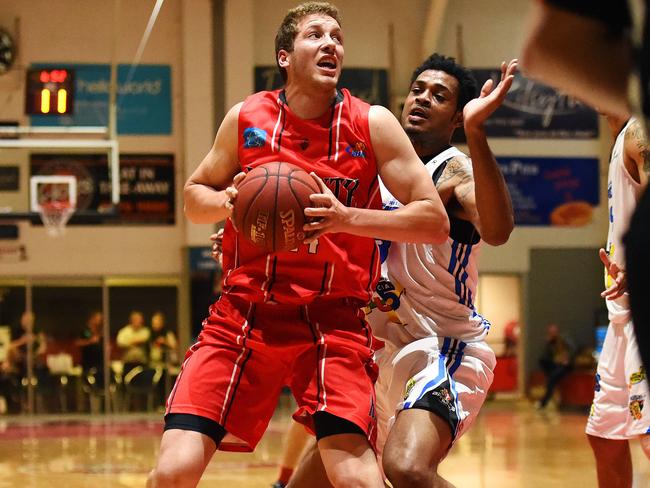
[[55, 215]]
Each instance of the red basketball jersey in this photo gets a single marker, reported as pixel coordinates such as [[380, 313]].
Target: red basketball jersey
[[338, 149]]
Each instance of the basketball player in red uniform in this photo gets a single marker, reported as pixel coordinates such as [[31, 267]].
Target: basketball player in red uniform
[[295, 317]]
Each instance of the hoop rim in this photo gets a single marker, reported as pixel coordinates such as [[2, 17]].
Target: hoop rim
[[35, 180]]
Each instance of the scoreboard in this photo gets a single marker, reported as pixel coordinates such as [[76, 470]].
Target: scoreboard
[[49, 91]]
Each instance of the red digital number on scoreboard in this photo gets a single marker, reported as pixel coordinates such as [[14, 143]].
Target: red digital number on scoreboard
[[49, 91]]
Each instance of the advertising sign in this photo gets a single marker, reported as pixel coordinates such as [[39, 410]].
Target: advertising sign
[[552, 191]]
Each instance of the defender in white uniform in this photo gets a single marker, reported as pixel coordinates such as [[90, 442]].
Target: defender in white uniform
[[620, 410], [435, 368], [424, 312]]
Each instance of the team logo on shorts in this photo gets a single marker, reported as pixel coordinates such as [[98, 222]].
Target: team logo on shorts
[[357, 151], [597, 385], [444, 397], [638, 377], [409, 387], [636, 405], [254, 137]]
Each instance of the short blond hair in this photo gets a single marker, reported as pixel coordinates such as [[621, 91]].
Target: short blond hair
[[289, 27]]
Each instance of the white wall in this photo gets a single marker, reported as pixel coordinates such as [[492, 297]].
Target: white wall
[[197, 92]]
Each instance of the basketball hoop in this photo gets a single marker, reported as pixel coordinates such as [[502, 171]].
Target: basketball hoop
[[54, 197], [55, 215]]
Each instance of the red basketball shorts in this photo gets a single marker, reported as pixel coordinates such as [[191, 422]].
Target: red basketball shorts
[[247, 352]]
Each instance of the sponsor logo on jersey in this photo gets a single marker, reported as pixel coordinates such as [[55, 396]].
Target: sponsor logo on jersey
[[638, 377], [636, 405], [388, 295], [254, 137], [357, 151]]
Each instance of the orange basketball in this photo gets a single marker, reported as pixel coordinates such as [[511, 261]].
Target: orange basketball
[[270, 203]]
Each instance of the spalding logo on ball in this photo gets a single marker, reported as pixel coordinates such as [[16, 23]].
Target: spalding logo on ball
[[270, 203]]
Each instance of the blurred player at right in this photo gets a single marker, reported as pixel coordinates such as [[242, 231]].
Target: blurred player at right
[[618, 414]]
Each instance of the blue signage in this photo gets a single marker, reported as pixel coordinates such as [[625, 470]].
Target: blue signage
[[552, 191], [143, 99], [201, 259], [536, 111]]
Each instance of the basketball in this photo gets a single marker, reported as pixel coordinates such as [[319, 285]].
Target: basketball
[[270, 203]]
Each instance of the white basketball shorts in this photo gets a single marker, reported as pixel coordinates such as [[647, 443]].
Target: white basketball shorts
[[446, 376], [620, 409]]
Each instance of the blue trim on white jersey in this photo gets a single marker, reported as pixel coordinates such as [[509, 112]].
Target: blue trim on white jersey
[[459, 357], [460, 254]]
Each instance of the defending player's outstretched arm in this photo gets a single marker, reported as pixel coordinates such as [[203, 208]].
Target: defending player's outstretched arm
[[484, 196]]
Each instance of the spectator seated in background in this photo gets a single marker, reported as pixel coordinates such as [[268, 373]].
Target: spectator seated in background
[[17, 359], [556, 361], [162, 343], [15, 367], [91, 344], [133, 338]]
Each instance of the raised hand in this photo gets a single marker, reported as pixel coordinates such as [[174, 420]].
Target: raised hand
[[619, 277], [477, 111]]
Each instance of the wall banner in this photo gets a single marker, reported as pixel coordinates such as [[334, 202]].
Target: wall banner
[[552, 191], [147, 184], [535, 111]]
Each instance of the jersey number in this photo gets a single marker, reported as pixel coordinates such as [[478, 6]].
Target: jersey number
[[313, 247]]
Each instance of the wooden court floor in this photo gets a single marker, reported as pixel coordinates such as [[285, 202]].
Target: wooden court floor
[[510, 446]]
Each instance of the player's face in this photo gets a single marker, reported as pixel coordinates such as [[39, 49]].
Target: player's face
[[430, 106], [317, 54]]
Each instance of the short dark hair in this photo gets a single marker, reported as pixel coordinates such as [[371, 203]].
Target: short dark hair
[[467, 85], [289, 27]]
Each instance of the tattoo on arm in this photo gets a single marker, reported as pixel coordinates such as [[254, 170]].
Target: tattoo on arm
[[455, 170], [457, 180], [641, 144]]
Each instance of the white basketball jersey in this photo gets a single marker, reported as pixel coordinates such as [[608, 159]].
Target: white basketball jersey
[[622, 195], [428, 289]]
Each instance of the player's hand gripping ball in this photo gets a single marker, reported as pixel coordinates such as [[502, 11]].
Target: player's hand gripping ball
[[270, 203]]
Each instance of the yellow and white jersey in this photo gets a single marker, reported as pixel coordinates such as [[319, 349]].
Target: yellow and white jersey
[[623, 192], [428, 289]]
